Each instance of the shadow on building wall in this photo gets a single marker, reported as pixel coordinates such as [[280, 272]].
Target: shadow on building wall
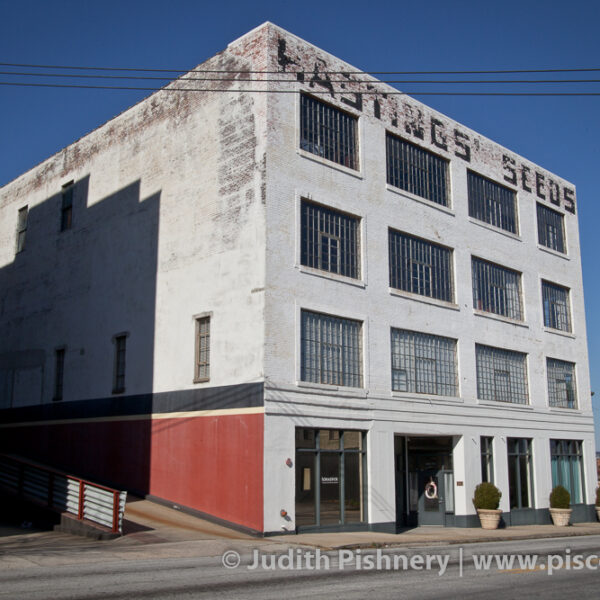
[[74, 290]]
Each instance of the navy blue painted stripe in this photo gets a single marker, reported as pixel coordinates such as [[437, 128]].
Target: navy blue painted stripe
[[245, 395]]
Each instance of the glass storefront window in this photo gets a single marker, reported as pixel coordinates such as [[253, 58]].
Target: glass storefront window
[[330, 477], [520, 473], [487, 459], [567, 467]]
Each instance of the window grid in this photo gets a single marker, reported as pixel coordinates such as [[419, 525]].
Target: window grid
[[562, 391], [496, 289], [22, 228], [120, 343], [416, 170], [423, 363], [331, 351], [501, 375], [202, 349], [59, 374], [66, 212], [328, 132], [491, 202], [330, 240], [567, 467], [551, 232], [420, 267], [555, 299]]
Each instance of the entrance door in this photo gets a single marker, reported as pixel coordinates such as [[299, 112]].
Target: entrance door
[[432, 505]]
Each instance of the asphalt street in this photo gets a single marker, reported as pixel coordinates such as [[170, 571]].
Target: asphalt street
[[85, 572]]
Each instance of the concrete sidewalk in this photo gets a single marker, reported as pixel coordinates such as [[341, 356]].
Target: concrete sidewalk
[[155, 531], [148, 522]]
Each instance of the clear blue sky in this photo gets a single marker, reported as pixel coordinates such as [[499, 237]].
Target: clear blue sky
[[560, 134]]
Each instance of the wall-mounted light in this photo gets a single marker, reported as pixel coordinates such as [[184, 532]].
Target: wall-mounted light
[[283, 513], [289, 462]]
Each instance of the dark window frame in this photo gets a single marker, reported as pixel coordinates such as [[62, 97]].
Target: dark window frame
[[566, 457], [551, 228], [492, 203], [22, 225], [308, 443], [120, 362], [66, 209], [59, 373], [202, 353], [492, 291], [556, 306], [420, 267], [330, 240], [329, 132], [487, 458], [520, 452], [417, 170]]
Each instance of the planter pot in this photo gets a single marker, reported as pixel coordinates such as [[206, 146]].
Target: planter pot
[[489, 518], [561, 516]]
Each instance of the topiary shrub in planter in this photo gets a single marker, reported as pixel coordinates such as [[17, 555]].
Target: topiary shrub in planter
[[486, 500], [560, 506]]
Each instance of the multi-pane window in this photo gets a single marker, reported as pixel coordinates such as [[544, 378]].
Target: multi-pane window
[[331, 467], [487, 459], [423, 363], [555, 299], [328, 132], [551, 232], [22, 228], [492, 202], [520, 475], [119, 371], [501, 375], [562, 392], [496, 289], [202, 367], [330, 240], [567, 467], [331, 350], [66, 210], [416, 170], [420, 267], [59, 373]]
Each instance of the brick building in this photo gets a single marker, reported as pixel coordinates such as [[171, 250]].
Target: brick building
[[302, 302]]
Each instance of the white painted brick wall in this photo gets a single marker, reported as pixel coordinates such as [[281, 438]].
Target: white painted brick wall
[[293, 174]]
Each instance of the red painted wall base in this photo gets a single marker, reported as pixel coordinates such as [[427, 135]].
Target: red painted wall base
[[213, 464]]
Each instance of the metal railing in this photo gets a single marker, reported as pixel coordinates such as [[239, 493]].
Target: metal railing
[[58, 491]]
